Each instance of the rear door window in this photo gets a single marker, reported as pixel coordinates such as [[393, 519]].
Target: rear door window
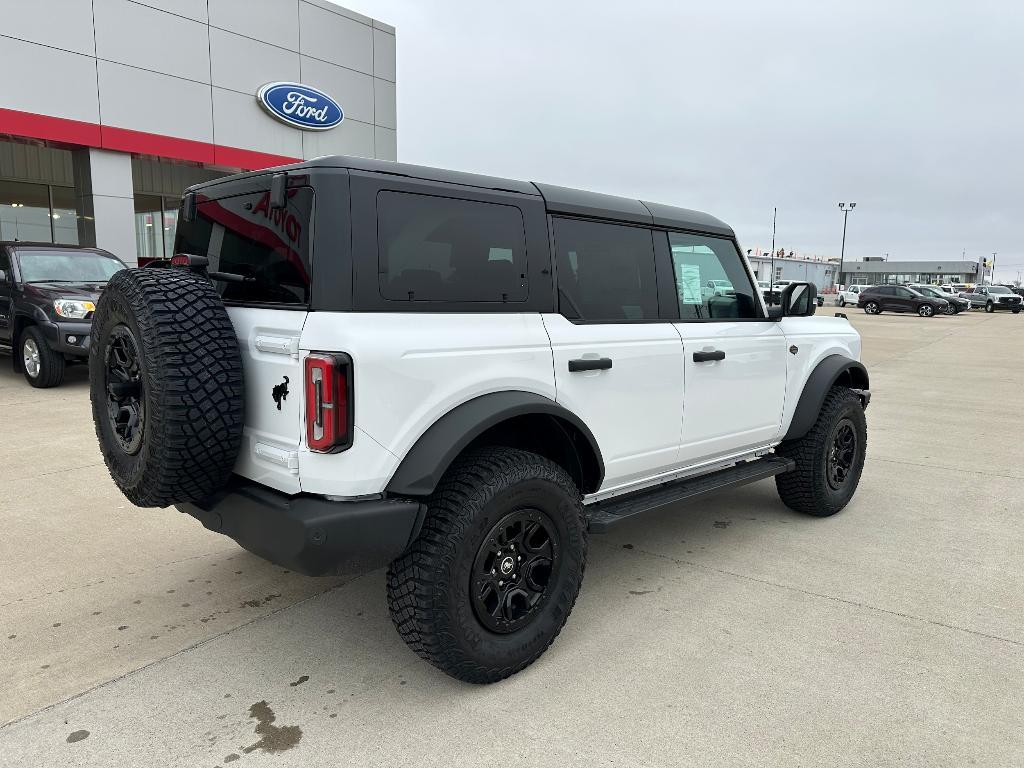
[[605, 271], [268, 250], [446, 249]]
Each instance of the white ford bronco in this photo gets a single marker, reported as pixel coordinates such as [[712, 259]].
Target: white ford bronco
[[354, 362]]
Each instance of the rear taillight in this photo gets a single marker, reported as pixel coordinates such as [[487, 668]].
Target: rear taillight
[[328, 402]]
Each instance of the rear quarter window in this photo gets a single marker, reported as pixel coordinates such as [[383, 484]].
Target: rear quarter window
[[446, 249], [268, 248]]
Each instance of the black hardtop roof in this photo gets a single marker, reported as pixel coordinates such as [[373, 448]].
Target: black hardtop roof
[[557, 199]]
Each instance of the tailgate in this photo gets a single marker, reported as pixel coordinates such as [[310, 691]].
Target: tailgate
[[269, 341]]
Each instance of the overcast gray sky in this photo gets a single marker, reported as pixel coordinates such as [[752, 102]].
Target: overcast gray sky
[[912, 109]]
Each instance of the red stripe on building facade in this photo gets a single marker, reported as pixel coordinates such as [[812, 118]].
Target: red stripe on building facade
[[75, 132]]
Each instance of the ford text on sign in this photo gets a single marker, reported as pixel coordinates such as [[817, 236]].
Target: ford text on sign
[[300, 106]]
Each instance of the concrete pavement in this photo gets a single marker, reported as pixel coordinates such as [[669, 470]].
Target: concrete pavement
[[729, 632]]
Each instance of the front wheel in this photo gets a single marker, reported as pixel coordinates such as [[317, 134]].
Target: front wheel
[[1015, 311], [43, 367], [842, 302], [829, 458], [926, 310], [872, 308], [990, 307], [490, 581]]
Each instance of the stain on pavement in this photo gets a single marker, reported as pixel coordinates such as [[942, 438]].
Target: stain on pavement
[[273, 738]]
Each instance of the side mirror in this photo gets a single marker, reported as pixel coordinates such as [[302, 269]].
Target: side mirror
[[799, 300]]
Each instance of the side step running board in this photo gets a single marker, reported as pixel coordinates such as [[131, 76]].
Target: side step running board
[[604, 514]]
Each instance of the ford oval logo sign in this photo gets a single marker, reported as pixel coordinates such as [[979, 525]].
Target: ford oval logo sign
[[300, 106]]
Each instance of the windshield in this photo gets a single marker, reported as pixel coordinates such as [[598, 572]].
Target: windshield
[[67, 266], [999, 289]]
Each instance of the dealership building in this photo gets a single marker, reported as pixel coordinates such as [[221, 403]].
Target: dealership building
[[110, 108], [875, 270]]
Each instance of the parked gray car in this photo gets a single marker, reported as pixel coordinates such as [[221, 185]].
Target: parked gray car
[[955, 304], [993, 297]]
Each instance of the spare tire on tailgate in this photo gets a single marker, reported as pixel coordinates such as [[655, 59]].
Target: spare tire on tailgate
[[165, 380]]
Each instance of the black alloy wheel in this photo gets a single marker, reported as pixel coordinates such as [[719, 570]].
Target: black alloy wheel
[[871, 308], [842, 455], [950, 309], [512, 570], [126, 402]]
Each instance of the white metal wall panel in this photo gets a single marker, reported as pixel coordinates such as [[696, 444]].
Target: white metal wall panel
[[240, 122], [331, 37], [57, 23], [272, 21], [140, 36], [146, 101], [384, 55], [243, 64], [384, 103], [190, 9], [349, 138], [385, 143], [48, 81], [353, 90]]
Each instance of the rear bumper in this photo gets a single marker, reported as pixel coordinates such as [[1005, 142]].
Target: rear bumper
[[309, 534]]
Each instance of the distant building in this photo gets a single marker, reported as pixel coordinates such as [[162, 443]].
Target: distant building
[[813, 269], [877, 271]]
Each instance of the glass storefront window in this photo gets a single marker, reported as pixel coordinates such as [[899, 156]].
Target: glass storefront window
[[38, 212], [149, 238], [171, 205], [64, 215], [156, 218], [25, 211]]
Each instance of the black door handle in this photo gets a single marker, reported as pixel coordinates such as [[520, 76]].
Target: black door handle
[[590, 364], [707, 357]]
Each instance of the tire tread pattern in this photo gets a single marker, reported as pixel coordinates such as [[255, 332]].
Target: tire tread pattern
[[192, 371], [805, 489], [417, 591]]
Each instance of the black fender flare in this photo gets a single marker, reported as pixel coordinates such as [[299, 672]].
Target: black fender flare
[[831, 370], [430, 456]]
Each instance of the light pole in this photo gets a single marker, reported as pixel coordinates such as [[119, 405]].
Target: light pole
[[845, 208], [992, 274]]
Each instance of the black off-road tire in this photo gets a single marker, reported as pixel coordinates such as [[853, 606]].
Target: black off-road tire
[[807, 489], [190, 384], [428, 587], [51, 364]]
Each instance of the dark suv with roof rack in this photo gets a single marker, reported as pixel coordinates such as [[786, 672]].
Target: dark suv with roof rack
[[48, 294]]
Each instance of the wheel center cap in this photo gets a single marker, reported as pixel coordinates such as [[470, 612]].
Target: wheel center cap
[[507, 564]]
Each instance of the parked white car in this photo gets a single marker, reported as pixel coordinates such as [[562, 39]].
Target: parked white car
[[850, 295]]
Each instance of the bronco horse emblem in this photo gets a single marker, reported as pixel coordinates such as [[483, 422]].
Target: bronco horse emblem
[[280, 392]]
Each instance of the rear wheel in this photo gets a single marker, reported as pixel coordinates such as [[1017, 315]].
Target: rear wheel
[[926, 310], [492, 577], [43, 367], [990, 307], [829, 458], [872, 308], [950, 309]]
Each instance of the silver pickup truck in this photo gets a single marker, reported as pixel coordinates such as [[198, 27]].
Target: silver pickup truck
[[993, 297]]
